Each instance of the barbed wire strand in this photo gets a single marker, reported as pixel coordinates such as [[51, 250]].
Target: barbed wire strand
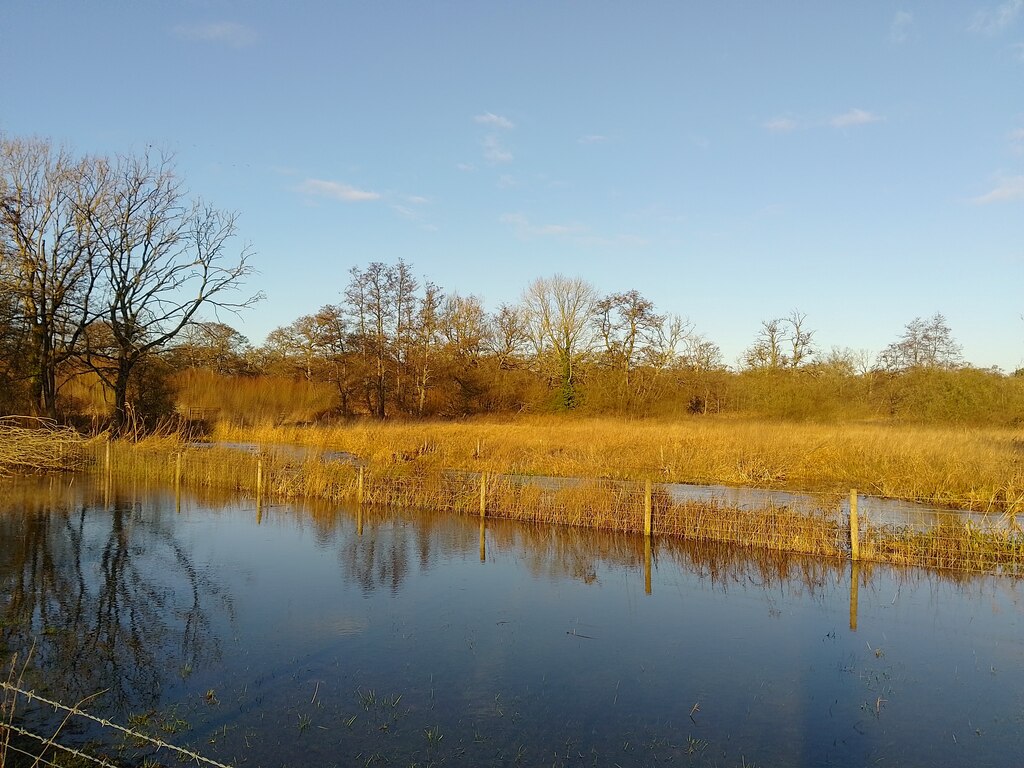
[[32, 695]]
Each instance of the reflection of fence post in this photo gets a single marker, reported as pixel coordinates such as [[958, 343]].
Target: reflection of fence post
[[647, 565], [108, 479], [483, 541], [359, 487], [854, 526], [177, 483], [647, 508], [483, 494], [854, 592]]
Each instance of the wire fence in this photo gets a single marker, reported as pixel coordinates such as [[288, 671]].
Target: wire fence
[[816, 523], [53, 750]]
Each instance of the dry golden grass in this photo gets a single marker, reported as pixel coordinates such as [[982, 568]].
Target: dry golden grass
[[253, 400], [968, 468]]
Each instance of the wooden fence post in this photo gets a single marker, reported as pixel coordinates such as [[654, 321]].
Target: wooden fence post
[[259, 485], [647, 508], [483, 494], [854, 527], [359, 487]]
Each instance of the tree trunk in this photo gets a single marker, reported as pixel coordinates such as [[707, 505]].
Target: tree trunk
[[119, 424]]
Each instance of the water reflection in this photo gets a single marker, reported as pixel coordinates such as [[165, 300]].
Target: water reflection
[[104, 598], [338, 635]]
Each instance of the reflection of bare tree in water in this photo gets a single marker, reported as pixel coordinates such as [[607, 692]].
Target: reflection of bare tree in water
[[390, 546], [380, 559], [110, 599]]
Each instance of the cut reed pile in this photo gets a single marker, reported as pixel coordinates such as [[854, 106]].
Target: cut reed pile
[[29, 444], [966, 468]]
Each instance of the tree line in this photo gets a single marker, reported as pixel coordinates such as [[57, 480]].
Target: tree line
[[398, 346], [110, 270]]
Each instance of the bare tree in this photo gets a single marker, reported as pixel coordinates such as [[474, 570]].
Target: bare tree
[[926, 343], [784, 342], [159, 260], [320, 347], [509, 337], [211, 345], [45, 250], [800, 337], [381, 303], [628, 328], [426, 340], [768, 350], [560, 313]]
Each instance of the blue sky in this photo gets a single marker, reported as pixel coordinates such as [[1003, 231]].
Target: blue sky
[[860, 162]]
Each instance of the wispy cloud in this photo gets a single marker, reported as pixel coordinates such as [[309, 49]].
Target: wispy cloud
[[411, 207], [523, 227], [465, 167], [593, 138], [495, 121], [495, 152], [225, 32], [992, 21], [899, 29], [336, 190], [1018, 51], [1007, 189], [854, 117], [1016, 139], [618, 241], [781, 125]]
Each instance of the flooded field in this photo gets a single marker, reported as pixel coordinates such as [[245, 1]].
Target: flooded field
[[316, 635]]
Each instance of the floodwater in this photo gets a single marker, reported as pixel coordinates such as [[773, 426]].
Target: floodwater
[[320, 636]]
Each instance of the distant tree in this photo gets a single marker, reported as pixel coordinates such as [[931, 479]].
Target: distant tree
[[380, 305], [768, 350], [559, 320], [318, 347], [628, 327], [509, 336], [701, 354], [211, 345], [783, 342], [926, 343], [426, 336]]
